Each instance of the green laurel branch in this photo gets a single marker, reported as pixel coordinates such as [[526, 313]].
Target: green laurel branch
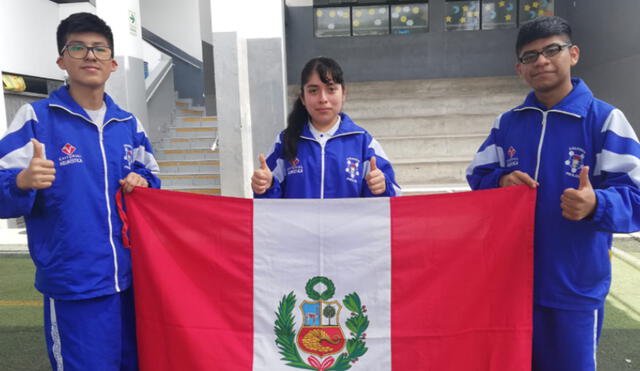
[[357, 324], [285, 335], [315, 295]]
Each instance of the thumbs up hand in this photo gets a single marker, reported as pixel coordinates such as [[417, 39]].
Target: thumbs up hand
[[262, 177], [41, 172], [375, 178], [577, 204]]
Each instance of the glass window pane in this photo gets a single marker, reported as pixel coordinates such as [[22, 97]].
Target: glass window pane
[[498, 14], [530, 9], [370, 20], [332, 22], [409, 18], [462, 15]]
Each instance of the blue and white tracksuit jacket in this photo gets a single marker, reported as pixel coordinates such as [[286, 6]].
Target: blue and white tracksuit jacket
[[572, 269], [73, 227], [336, 169]]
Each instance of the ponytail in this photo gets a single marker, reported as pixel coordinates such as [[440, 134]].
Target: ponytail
[[296, 121]]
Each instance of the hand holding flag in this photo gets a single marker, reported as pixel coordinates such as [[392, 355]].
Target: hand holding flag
[[517, 177], [133, 180]]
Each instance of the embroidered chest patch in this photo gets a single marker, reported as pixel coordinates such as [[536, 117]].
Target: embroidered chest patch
[[352, 169], [575, 161]]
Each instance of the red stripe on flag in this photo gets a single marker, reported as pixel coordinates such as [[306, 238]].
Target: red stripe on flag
[[194, 304], [462, 280]]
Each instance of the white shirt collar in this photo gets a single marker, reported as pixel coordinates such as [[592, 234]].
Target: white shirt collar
[[327, 134]]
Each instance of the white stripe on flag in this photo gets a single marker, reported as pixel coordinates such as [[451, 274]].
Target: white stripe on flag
[[293, 243]]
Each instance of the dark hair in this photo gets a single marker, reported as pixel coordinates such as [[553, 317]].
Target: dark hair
[[80, 23], [540, 28], [328, 70]]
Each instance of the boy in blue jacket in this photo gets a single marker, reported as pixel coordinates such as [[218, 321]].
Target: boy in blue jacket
[[62, 161], [583, 157]]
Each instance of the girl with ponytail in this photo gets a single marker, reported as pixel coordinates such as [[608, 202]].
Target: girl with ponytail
[[322, 153]]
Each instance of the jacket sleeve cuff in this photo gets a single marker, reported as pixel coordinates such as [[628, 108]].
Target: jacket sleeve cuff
[[601, 206]]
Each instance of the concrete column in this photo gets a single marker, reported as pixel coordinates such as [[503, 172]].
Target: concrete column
[[126, 85], [3, 115], [251, 105], [3, 129], [234, 114]]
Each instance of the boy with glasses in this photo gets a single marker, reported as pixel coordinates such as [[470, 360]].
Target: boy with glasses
[[582, 156], [61, 162]]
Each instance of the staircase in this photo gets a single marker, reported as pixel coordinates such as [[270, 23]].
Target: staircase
[[184, 154], [430, 129]]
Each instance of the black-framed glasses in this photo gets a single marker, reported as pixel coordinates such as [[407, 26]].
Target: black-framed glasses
[[103, 53], [548, 52]]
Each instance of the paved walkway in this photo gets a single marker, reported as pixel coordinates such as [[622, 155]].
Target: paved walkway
[[13, 241]]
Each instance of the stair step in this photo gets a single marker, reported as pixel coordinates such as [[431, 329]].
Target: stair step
[[189, 132], [204, 121], [435, 170], [431, 145], [431, 88], [427, 125], [184, 143], [412, 107], [186, 154], [199, 190], [185, 180], [193, 166], [190, 112], [428, 189]]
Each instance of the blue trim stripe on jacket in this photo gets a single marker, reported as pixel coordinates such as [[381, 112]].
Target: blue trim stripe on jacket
[[74, 231], [335, 170], [572, 266]]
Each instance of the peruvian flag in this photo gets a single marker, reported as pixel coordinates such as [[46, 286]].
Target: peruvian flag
[[440, 282]]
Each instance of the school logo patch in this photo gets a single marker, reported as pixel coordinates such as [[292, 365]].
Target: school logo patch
[[295, 167], [512, 160], [352, 169], [575, 162], [68, 149], [320, 337], [70, 156], [128, 156]]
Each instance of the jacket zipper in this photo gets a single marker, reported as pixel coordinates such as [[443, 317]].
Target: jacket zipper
[[106, 187], [322, 154], [544, 128]]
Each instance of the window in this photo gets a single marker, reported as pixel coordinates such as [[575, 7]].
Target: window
[[530, 9], [332, 22], [370, 20], [462, 15], [373, 17], [409, 18], [400, 17], [499, 14]]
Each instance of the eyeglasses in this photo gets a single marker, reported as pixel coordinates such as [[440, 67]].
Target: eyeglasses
[[103, 53], [548, 52]]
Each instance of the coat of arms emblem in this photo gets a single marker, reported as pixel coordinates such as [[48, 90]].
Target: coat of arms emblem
[[320, 335]]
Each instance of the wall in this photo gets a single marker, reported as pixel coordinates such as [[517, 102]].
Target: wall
[[177, 22], [161, 112], [610, 52], [27, 23], [434, 54]]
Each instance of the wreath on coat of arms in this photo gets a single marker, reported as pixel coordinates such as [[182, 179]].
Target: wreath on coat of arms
[[320, 334]]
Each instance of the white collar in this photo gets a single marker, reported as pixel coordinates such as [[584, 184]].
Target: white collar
[[329, 133]]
